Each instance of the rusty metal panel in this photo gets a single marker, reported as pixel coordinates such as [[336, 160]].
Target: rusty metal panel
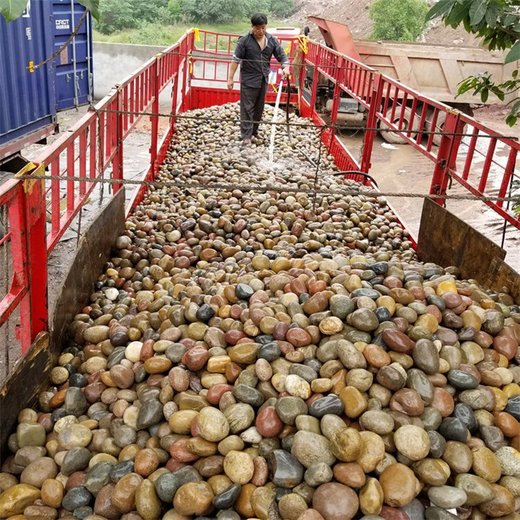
[[446, 240]]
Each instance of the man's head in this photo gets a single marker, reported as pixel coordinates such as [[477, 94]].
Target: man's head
[[259, 25]]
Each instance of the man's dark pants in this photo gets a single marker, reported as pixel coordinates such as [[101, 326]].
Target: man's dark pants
[[252, 102]]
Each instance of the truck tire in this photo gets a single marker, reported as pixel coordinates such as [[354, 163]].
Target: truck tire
[[439, 127], [394, 137]]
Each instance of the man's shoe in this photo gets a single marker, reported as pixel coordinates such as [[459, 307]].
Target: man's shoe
[[246, 141]]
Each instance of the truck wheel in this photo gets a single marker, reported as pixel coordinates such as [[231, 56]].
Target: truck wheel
[[439, 127], [394, 137]]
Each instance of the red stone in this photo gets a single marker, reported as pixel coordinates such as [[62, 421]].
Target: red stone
[[195, 358], [231, 337], [179, 451], [398, 341], [268, 423], [298, 337], [216, 392], [391, 513]]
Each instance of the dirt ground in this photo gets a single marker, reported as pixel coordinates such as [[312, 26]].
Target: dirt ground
[[355, 13]]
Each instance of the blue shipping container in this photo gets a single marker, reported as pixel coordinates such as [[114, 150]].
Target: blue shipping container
[[27, 99], [74, 83]]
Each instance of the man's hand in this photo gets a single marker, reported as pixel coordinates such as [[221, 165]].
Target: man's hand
[[230, 84], [286, 71]]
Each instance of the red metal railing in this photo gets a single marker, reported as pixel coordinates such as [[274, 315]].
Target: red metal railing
[[94, 148]]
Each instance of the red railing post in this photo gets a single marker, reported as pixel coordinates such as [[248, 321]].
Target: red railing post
[[117, 163], [154, 119], [447, 155], [371, 132], [34, 308]]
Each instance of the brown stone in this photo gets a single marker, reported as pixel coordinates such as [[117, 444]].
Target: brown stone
[[335, 501]]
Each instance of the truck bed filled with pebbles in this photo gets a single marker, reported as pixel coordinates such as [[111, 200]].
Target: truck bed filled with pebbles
[[272, 354]]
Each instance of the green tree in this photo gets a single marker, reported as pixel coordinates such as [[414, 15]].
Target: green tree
[[398, 19], [116, 15], [498, 23], [12, 9]]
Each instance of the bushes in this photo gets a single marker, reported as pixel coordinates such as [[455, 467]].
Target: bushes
[[226, 11], [116, 15], [398, 19]]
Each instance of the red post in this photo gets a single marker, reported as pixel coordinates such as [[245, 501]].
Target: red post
[[117, 163], [371, 132], [447, 155], [33, 308], [154, 119]]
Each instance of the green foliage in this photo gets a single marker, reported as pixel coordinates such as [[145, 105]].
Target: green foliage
[[398, 19], [116, 15], [498, 23], [227, 11], [12, 9]]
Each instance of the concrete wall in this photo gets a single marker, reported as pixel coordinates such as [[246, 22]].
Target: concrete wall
[[113, 62]]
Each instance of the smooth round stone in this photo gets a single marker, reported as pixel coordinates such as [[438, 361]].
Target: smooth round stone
[[213, 425], [462, 380], [437, 444], [458, 456], [248, 394], [341, 306], [364, 320], [122, 494], [96, 334], [147, 503], [268, 423], [434, 472], [513, 407], [52, 493], [372, 451], [240, 416], [354, 401], [346, 444], [194, 498], [150, 414], [76, 497], [412, 441], [121, 469], [476, 488], [377, 421], [38, 471], [509, 460], [330, 404], [330, 326], [98, 476], [14, 500], [167, 484], [466, 415], [371, 497], [269, 351], [335, 501], [417, 380], [239, 467], [426, 356], [399, 485], [454, 429], [447, 497], [503, 503], [286, 470], [291, 506], [228, 498], [398, 341], [74, 436], [30, 434], [318, 474], [310, 448], [59, 375], [297, 386], [75, 459], [244, 291]]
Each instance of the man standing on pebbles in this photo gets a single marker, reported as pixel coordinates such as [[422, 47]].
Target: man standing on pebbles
[[253, 52]]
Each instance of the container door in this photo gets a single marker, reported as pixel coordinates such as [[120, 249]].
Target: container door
[[74, 63], [27, 102]]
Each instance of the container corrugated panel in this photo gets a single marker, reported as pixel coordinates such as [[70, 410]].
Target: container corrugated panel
[[27, 99], [74, 63]]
